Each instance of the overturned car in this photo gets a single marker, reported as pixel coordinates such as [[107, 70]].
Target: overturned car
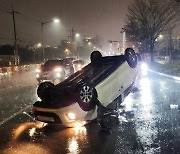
[[74, 101]]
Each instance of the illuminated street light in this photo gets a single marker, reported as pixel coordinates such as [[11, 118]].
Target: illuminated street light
[[77, 35], [39, 45], [160, 36], [55, 20], [89, 43]]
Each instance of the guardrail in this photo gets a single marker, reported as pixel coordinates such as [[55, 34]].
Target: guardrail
[[5, 71]]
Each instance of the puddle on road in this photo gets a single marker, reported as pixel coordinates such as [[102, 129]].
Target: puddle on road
[[174, 106]]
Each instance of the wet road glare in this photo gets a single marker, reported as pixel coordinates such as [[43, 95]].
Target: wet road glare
[[149, 123]]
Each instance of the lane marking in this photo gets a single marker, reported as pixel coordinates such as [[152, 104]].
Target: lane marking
[[14, 115], [165, 75]]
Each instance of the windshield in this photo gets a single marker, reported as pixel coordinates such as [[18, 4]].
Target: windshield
[[90, 76], [52, 63]]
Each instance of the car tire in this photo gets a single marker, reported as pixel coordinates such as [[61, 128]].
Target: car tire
[[131, 57], [86, 96], [43, 88], [96, 57]]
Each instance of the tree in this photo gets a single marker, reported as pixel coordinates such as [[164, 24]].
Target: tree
[[146, 19]]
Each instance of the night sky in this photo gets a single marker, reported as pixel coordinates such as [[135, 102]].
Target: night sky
[[88, 17]]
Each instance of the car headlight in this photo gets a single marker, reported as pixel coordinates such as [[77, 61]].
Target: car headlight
[[79, 66], [38, 70], [58, 75], [37, 75], [144, 67], [71, 116], [58, 69]]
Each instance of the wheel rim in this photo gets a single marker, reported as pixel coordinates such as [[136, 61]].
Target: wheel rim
[[132, 56], [86, 94]]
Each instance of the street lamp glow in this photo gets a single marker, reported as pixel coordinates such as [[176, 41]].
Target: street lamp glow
[[56, 20], [160, 36], [39, 45], [77, 35], [89, 43]]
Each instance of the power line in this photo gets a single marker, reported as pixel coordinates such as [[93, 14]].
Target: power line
[[3, 38], [5, 8], [27, 17]]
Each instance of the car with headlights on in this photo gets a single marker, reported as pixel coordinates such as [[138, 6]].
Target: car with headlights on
[[78, 64], [142, 66], [54, 71], [74, 101]]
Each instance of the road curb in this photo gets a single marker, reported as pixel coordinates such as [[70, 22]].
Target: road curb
[[167, 76]]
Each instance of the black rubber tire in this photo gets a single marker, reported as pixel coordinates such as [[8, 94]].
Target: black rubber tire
[[131, 57], [42, 88], [86, 96], [96, 57]]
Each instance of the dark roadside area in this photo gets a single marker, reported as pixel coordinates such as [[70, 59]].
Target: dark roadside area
[[167, 68]]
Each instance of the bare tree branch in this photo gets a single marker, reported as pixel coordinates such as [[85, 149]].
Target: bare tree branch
[[146, 19]]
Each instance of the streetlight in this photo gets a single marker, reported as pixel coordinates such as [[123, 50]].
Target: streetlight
[[89, 43], [39, 45], [55, 20], [77, 34], [124, 38]]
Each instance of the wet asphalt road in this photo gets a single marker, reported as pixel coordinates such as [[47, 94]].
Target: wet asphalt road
[[149, 123]]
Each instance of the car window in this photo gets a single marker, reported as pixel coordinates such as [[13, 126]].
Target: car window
[[52, 63]]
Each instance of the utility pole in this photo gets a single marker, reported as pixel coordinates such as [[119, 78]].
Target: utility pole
[[123, 39], [42, 42], [15, 38]]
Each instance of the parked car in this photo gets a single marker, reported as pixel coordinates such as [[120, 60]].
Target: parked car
[[54, 71], [74, 101], [78, 64]]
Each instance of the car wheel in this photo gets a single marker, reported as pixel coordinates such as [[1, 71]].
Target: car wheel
[[43, 87], [86, 97], [96, 57], [131, 57]]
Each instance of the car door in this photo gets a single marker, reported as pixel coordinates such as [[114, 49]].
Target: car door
[[115, 84]]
